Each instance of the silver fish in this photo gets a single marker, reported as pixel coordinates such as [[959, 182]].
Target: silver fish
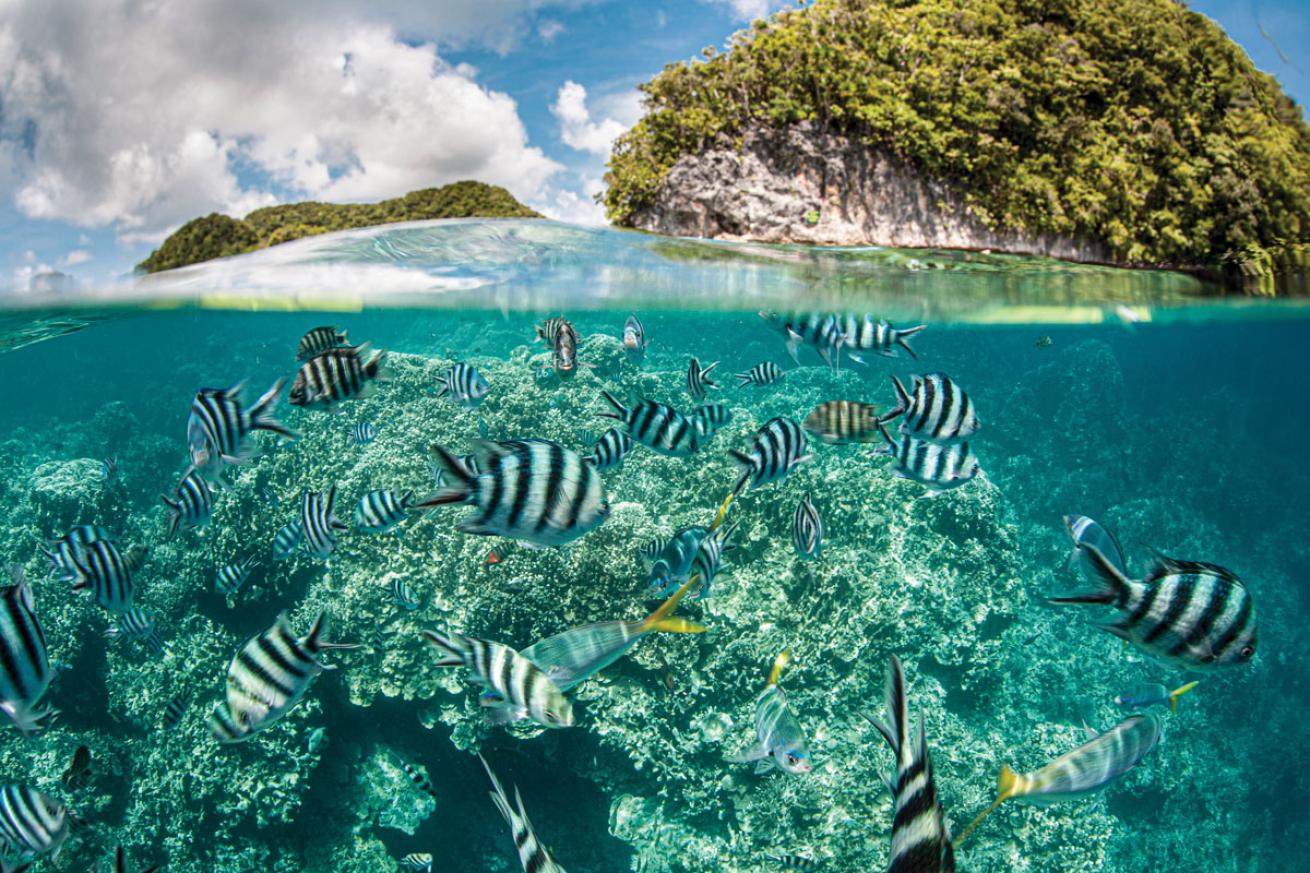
[[781, 740]]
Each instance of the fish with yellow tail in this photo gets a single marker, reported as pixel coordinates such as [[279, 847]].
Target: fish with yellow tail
[[781, 738], [1081, 772], [1143, 697], [921, 841], [570, 657]]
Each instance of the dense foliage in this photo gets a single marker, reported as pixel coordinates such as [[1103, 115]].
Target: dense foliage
[[216, 235], [1136, 122]]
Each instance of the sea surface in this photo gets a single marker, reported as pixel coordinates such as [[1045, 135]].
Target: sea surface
[[1171, 412]]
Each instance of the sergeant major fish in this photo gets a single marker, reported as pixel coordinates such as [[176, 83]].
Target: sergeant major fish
[[138, 625], [708, 559], [515, 687], [402, 595], [193, 506], [108, 574], [840, 422], [287, 540], [698, 379], [939, 466], [175, 710], [864, 334], [318, 340], [318, 524], [25, 671], [363, 433], [419, 779], [465, 385], [807, 529], [781, 739], [78, 772], [532, 854], [660, 428], [120, 863], [32, 824], [634, 338], [779, 447], [709, 419], [766, 373], [219, 425], [818, 330], [382, 511], [936, 408], [231, 577], [63, 552], [668, 562], [336, 375], [610, 449], [416, 862]]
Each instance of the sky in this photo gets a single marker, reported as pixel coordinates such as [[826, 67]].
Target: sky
[[122, 119]]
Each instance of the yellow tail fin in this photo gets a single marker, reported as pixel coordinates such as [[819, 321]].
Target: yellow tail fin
[[677, 625], [659, 617], [723, 512], [783, 659], [1007, 785], [1179, 692]]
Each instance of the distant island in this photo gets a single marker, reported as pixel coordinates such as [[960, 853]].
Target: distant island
[[1132, 132], [217, 235]]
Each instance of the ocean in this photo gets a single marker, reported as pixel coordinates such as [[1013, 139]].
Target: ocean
[[1156, 404]]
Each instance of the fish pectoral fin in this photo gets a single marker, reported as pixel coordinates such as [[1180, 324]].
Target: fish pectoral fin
[[764, 765], [754, 753], [498, 715], [1116, 630]]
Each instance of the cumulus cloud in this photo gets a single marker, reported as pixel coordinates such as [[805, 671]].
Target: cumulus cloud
[[577, 127], [749, 10], [75, 257], [548, 29], [140, 116]]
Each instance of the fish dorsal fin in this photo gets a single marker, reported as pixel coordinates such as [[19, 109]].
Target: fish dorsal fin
[[1163, 565], [488, 450]]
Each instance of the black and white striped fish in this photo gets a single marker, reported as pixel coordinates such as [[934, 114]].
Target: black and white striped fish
[[77, 774], [224, 727], [416, 862], [668, 562], [469, 462], [766, 373], [363, 433], [807, 529], [192, 504], [139, 626], [465, 385], [381, 511], [1194, 615], [795, 863], [550, 330], [708, 559], [936, 409], [231, 577], [864, 334], [1085, 531], [418, 778], [32, 824], [565, 358], [839, 422], [921, 840], [402, 595], [532, 854], [660, 428], [108, 574], [778, 448], [336, 375], [176, 709], [709, 419], [318, 524], [634, 338], [781, 741], [536, 491], [515, 687], [698, 379], [818, 330], [318, 340], [937, 465], [25, 671], [287, 540], [61, 553], [610, 449], [219, 425], [270, 674]]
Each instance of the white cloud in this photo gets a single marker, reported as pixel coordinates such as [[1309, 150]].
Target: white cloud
[[548, 29], [577, 128], [749, 10], [221, 103], [75, 257]]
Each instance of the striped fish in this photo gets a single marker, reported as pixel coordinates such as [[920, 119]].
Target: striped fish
[[139, 626], [778, 448], [62, 553], [336, 375], [781, 740], [565, 358], [1193, 615], [515, 687], [25, 671], [649, 553], [936, 409], [287, 540], [176, 709], [317, 523], [939, 466], [363, 433], [269, 675], [550, 330], [402, 595], [532, 854], [225, 728], [416, 862], [708, 559], [220, 423], [381, 511], [807, 529], [107, 573], [658, 427], [469, 462], [634, 338], [669, 565], [921, 840], [419, 779], [120, 863], [1084, 530], [571, 657], [709, 419], [318, 340], [536, 491], [1081, 772], [232, 576], [860, 335], [820, 331], [795, 863], [193, 506], [839, 422], [698, 379], [31, 823], [465, 385], [610, 449], [77, 775], [766, 373]]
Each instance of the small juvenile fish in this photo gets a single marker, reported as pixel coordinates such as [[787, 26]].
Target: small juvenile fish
[[795, 864], [710, 418], [610, 449], [287, 540], [532, 854], [232, 576], [363, 433], [766, 373], [318, 525], [807, 529], [1153, 694], [193, 506], [419, 779], [31, 823], [936, 408], [108, 468], [402, 595], [220, 423], [176, 709], [318, 340], [515, 687], [107, 573], [698, 379], [382, 511], [78, 772], [781, 739], [465, 385], [336, 375], [1084, 530], [634, 338], [138, 625], [939, 466], [377, 642], [779, 447], [416, 862], [659, 427]]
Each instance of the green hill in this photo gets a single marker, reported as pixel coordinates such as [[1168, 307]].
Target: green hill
[[1134, 122], [217, 235]]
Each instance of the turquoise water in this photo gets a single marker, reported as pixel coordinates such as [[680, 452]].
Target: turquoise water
[[1160, 408]]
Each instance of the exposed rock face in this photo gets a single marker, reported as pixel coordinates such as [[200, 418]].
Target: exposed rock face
[[763, 191]]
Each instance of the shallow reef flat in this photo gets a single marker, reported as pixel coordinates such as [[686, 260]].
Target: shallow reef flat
[[954, 585]]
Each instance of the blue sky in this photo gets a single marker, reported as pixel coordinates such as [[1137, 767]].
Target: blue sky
[[115, 128]]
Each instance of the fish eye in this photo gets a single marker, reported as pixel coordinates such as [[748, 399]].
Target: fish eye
[[1247, 652]]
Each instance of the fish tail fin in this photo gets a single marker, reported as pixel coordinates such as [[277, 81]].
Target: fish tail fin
[[896, 729], [460, 486], [903, 335], [497, 793], [902, 399], [315, 642], [662, 619], [261, 414], [1113, 587], [374, 368], [451, 647], [174, 514], [886, 437], [620, 411], [744, 377], [1179, 692], [1007, 786], [748, 466], [723, 511], [780, 662]]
